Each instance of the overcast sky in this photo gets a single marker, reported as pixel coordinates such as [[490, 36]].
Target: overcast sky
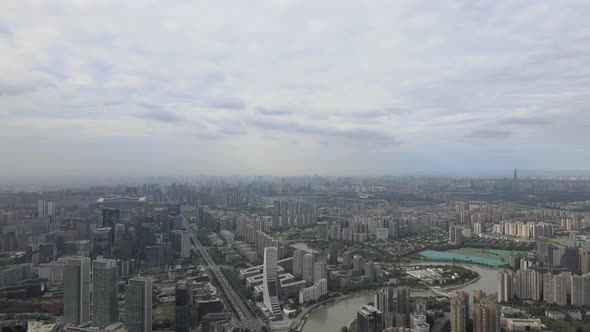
[[293, 87]]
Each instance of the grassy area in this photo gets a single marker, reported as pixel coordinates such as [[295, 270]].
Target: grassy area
[[502, 255], [164, 311]]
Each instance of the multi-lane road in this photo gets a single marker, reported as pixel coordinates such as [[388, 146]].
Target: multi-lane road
[[241, 310]]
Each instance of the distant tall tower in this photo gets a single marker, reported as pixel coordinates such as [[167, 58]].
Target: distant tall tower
[[105, 292], [76, 277], [515, 175], [139, 305], [271, 283]]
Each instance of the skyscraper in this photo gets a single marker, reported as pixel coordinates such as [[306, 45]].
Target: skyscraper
[[183, 307], [459, 310], [369, 319], [298, 262], [320, 271], [110, 217], [505, 286], [271, 283], [333, 253], [385, 302], [105, 292], [76, 276], [308, 262], [486, 317], [139, 305], [478, 296], [584, 261], [403, 304], [455, 235], [322, 228]]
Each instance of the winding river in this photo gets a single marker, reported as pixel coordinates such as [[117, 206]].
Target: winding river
[[332, 317]]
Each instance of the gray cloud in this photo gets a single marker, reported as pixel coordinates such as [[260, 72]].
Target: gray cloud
[[157, 113], [230, 104], [273, 111], [488, 134], [323, 82]]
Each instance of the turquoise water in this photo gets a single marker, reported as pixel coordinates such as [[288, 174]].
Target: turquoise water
[[431, 254]]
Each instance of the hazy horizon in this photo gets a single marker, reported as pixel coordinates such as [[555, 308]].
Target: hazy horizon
[[104, 88]]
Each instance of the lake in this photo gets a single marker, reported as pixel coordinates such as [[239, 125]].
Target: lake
[[445, 255]]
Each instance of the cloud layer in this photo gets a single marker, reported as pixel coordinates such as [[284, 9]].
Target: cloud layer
[[293, 87]]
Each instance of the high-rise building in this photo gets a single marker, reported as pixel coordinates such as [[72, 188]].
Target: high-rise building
[[183, 307], [385, 302], [369, 319], [271, 283], [76, 276], [478, 296], [322, 227], [199, 214], [110, 217], [333, 253], [358, 264], [347, 260], [41, 208], [403, 304], [138, 305], [308, 264], [459, 313], [505, 286], [585, 261], [528, 284], [320, 271], [486, 317], [455, 235], [298, 262], [105, 292], [181, 243]]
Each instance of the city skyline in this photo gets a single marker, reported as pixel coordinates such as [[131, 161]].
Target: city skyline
[[286, 87]]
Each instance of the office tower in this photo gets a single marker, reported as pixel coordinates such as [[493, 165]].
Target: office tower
[[183, 307], [271, 284], [308, 262], [584, 261], [76, 276], [505, 286], [369, 319], [138, 305], [298, 262], [347, 260], [105, 292], [478, 296], [459, 313], [102, 242], [455, 235], [51, 210], [403, 303], [119, 234], [384, 302], [571, 260], [110, 217], [41, 208], [320, 271], [46, 252], [180, 243], [333, 251], [199, 214], [322, 228], [486, 317]]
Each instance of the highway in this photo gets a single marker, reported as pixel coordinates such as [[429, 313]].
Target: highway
[[241, 310]]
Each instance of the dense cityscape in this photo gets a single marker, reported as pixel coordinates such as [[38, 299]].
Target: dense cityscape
[[294, 166], [299, 254]]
